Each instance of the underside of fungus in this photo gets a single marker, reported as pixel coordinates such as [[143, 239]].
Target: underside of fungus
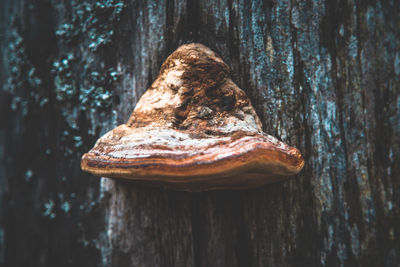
[[194, 129]]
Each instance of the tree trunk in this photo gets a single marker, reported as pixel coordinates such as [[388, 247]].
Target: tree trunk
[[323, 76]]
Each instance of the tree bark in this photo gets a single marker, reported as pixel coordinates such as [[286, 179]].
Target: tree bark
[[323, 76]]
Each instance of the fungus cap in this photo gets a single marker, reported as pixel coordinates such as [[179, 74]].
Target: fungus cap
[[194, 129]]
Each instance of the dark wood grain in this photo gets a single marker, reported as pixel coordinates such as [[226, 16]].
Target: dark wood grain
[[323, 76]]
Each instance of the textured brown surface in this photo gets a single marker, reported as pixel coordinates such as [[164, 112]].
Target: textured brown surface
[[194, 129]]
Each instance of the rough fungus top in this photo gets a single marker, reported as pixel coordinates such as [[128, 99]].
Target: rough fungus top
[[194, 130]]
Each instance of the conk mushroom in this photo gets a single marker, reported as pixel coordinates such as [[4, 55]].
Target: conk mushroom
[[194, 130]]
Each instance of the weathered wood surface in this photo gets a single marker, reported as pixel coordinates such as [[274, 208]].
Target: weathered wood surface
[[323, 76]]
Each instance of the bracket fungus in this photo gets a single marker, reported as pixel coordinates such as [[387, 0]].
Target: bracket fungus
[[194, 130]]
